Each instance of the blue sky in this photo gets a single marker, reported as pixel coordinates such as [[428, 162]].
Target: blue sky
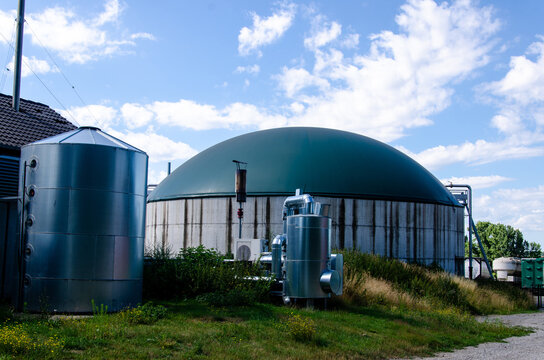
[[457, 85]]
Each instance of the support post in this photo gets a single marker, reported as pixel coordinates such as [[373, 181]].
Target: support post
[[469, 210], [481, 248], [18, 55]]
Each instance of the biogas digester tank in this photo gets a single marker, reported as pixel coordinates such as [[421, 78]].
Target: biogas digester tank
[[83, 222]]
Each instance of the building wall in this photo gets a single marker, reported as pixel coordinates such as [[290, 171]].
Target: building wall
[[425, 233]]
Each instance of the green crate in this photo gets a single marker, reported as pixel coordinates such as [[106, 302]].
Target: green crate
[[532, 272]]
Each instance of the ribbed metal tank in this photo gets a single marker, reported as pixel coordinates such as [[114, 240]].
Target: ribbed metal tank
[[83, 230], [381, 201], [307, 256]]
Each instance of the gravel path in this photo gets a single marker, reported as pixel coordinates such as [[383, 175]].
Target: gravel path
[[530, 347]]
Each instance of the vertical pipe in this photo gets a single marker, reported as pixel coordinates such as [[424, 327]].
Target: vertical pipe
[[169, 167], [468, 206], [470, 271], [18, 55], [20, 251], [239, 228]]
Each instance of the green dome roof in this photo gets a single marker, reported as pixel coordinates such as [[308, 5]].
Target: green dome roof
[[322, 162]]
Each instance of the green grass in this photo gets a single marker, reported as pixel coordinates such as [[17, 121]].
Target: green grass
[[208, 309], [193, 330]]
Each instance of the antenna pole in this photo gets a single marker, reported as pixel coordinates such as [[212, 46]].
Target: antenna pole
[[18, 55]]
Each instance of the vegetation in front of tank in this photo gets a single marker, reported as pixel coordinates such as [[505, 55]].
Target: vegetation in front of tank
[[301, 328], [202, 273], [19, 340], [375, 280], [143, 314], [191, 329]]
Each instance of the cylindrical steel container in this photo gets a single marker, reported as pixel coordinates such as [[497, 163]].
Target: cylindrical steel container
[[84, 219], [307, 256]]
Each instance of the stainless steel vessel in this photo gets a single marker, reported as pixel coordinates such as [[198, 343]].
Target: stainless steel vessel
[[308, 255], [83, 222], [309, 269]]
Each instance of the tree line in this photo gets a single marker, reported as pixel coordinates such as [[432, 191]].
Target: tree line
[[501, 240]]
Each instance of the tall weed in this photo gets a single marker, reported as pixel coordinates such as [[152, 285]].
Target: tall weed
[[375, 280]]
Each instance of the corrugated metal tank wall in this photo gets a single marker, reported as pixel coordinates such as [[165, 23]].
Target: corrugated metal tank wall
[[419, 232], [84, 222]]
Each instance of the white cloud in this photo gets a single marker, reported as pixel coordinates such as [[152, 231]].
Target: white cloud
[[520, 208], [7, 25], [192, 115], [112, 10], [296, 107], [136, 115], [158, 147], [74, 37], [100, 116], [142, 35], [479, 152], [265, 31], [32, 66], [185, 114], [520, 118], [520, 93], [524, 82], [477, 182], [250, 69], [323, 34], [508, 121], [403, 80], [351, 41], [155, 177], [293, 80]]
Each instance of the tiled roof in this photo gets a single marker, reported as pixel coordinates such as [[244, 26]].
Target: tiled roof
[[34, 121]]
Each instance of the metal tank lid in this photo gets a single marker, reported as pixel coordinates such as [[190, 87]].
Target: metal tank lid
[[325, 162], [87, 135]]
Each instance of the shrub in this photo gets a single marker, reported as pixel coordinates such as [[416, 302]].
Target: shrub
[[159, 277], [300, 328], [203, 273], [143, 314]]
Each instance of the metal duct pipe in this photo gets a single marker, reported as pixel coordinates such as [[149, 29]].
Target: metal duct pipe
[[277, 245], [469, 210], [303, 202]]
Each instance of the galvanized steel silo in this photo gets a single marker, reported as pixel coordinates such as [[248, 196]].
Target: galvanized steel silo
[[83, 222]]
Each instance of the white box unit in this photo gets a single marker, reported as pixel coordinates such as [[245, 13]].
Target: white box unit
[[249, 249]]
